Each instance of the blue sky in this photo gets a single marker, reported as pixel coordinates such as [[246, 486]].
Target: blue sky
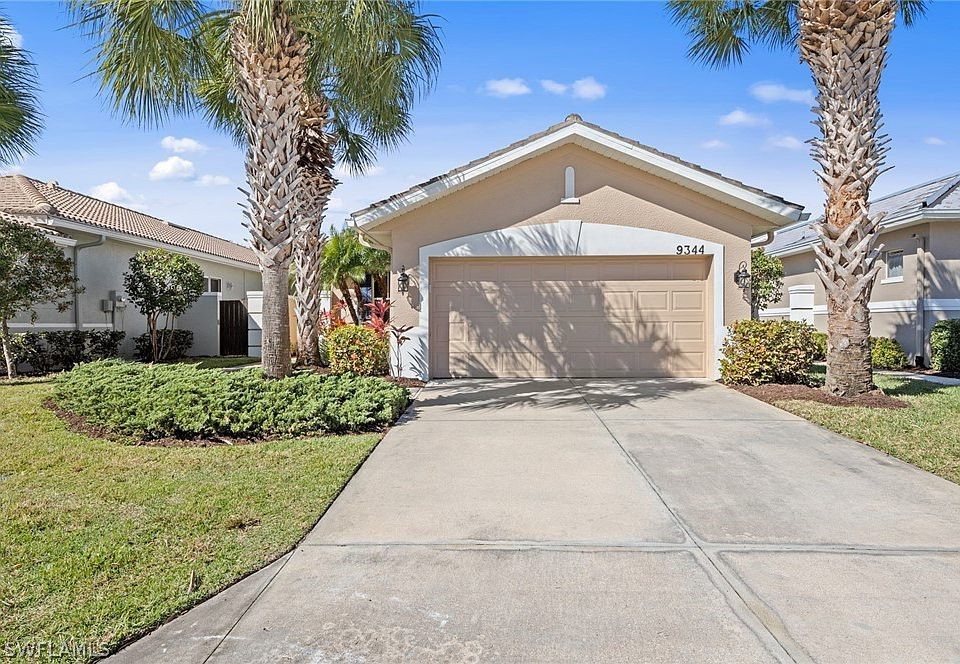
[[509, 70]]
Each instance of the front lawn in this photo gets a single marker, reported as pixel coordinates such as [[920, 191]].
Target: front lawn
[[100, 541], [927, 434]]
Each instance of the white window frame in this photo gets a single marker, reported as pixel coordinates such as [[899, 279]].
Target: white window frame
[[892, 279], [208, 282]]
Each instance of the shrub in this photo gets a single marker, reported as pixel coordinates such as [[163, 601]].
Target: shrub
[[887, 354], [945, 346], [767, 351], [180, 400], [820, 341], [180, 342], [63, 349], [358, 350]]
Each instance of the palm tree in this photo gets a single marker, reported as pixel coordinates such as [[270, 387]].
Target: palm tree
[[366, 66], [20, 118], [346, 263], [844, 42]]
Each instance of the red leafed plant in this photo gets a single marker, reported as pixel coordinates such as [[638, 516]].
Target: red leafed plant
[[330, 320], [379, 320]]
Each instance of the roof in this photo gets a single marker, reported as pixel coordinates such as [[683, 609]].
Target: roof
[[20, 195], [575, 129], [941, 195]]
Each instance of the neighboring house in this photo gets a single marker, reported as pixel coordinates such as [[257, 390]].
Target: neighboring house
[[101, 238], [574, 252], [919, 281]]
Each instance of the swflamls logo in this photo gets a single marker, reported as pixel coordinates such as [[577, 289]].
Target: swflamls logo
[[53, 649]]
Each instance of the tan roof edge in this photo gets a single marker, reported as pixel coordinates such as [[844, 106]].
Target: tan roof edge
[[377, 213], [40, 203]]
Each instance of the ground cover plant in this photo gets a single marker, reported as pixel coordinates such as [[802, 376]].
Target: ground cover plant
[[104, 541], [183, 401]]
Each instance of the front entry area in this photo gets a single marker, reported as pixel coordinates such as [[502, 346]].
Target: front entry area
[[577, 316]]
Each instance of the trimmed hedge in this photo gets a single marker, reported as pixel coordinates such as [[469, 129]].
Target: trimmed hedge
[[767, 351], [63, 349], [180, 342], [820, 340], [358, 350], [945, 346], [152, 401], [887, 354]]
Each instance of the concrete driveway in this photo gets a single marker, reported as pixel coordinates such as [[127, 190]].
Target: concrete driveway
[[603, 520]]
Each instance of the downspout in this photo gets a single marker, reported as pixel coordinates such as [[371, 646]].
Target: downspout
[[921, 326], [77, 318], [767, 239]]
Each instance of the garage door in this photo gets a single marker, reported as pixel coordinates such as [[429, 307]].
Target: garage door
[[589, 317]]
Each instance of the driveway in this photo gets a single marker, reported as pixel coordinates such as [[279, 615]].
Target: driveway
[[603, 520]]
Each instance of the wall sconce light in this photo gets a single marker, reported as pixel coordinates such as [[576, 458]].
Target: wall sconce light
[[403, 280], [742, 276]]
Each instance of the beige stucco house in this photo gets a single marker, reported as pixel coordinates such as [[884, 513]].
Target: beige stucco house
[[919, 282], [574, 252], [101, 238]]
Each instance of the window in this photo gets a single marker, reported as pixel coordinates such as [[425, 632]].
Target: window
[[894, 265], [212, 285]]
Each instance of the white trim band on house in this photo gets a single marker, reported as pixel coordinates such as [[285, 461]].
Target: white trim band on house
[[571, 238], [880, 307]]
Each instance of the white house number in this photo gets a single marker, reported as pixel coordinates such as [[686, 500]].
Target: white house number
[[689, 249]]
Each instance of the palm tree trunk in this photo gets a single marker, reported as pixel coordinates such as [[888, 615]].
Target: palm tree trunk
[[270, 82], [844, 42], [344, 288], [318, 183]]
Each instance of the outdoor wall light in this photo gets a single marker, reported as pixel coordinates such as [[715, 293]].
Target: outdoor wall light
[[403, 280], [742, 277]]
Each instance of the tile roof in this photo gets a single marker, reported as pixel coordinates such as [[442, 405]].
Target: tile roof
[[942, 194], [570, 120], [20, 195]]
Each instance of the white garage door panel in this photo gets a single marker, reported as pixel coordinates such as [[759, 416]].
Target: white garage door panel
[[522, 317]]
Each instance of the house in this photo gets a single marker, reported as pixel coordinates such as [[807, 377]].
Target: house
[[101, 238], [919, 281], [574, 252]]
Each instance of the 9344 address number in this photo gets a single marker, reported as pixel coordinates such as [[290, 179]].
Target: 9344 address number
[[689, 249]]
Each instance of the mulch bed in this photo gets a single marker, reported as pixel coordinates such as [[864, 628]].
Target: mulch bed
[[774, 393]]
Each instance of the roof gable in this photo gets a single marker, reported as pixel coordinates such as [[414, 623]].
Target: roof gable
[[773, 209]]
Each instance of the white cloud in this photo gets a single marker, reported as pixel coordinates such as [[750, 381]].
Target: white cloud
[[173, 168], [343, 173], [506, 87], [212, 181], [934, 140], [714, 144], [785, 142], [336, 204], [769, 93], [589, 88], [740, 117], [13, 36], [184, 144], [553, 87], [114, 193]]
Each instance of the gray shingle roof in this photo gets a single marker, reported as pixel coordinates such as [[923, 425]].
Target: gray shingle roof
[[942, 194], [20, 195]]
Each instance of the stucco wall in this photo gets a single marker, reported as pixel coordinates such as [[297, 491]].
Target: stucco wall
[[529, 193]]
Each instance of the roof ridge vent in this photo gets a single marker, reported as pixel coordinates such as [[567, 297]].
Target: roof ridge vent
[[574, 117]]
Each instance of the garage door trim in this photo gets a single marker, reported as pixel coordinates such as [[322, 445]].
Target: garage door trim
[[562, 238]]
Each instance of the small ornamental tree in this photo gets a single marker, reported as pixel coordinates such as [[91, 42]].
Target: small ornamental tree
[[33, 270], [162, 285], [766, 285]]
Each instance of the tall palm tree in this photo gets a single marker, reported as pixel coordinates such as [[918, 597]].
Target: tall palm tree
[[844, 42], [20, 117], [346, 263], [368, 62]]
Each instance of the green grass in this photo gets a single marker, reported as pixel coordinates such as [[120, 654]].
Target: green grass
[[220, 362], [99, 541], [926, 435]]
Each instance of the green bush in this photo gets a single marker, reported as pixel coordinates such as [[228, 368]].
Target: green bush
[[768, 351], [820, 341], [358, 350], [182, 401], [887, 354], [180, 343], [63, 349], [945, 346]]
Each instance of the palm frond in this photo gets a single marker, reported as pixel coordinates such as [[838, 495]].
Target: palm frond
[[20, 116]]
